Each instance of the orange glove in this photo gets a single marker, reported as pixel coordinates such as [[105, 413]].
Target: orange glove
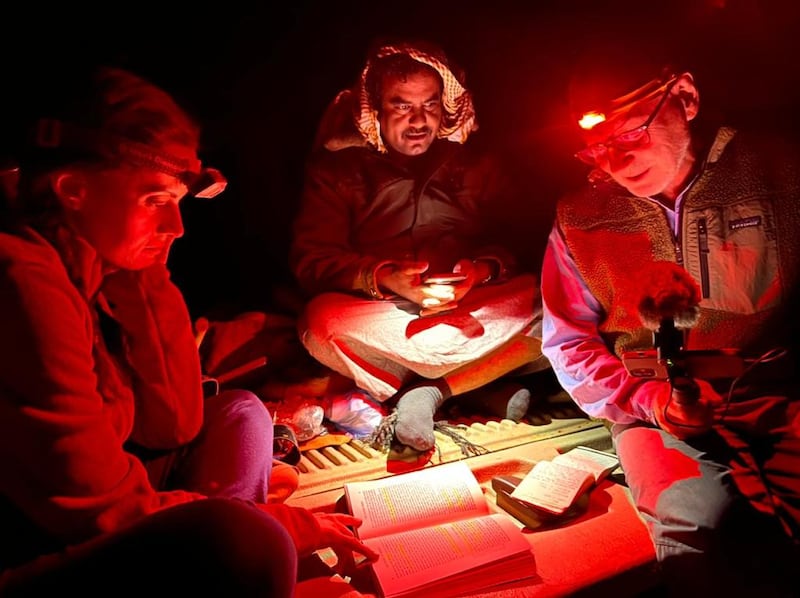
[[314, 531], [685, 419]]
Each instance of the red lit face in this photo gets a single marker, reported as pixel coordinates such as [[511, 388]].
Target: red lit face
[[663, 162], [129, 215], [411, 112]]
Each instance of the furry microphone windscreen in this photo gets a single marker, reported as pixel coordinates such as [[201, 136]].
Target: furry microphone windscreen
[[669, 292]]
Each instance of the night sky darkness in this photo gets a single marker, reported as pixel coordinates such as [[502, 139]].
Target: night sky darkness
[[258, 79]]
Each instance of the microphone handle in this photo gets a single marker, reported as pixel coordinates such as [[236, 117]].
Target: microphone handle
[[685, 390]]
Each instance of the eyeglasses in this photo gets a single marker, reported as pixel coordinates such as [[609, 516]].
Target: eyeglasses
[[627, 140]]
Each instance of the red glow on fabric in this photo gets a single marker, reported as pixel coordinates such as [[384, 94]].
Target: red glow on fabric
[[671, 465], [771, 296], [373, 370], [465, 322]]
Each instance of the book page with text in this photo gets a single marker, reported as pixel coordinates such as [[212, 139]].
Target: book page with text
[[418, 558], [431, 495], [598, 463], [552, 486]]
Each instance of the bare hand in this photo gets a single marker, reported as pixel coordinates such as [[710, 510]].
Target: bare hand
[[446, 297], [403, 279], [406, 280], [335, 533]]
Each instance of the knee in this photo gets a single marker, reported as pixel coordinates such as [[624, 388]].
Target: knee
[[241, 408], [696, 504], [245, 550], [687, 520], [319, 319], [683, 498]]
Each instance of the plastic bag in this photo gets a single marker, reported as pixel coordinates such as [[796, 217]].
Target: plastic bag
[[355, 412], [307, 421]]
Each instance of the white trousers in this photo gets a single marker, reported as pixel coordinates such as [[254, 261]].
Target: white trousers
[[382, 344]]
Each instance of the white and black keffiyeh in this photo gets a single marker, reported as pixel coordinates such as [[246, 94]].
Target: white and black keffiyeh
[[459, 118]]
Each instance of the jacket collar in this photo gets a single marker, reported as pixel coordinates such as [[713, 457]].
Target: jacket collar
[[83, 264]]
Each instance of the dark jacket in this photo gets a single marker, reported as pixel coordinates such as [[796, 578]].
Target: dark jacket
[[361, 208]]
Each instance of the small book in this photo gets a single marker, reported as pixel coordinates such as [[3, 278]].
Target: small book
[[556, 485], [436, 534]]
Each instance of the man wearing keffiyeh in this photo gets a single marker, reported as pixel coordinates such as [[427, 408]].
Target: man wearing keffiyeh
[[393, 195]]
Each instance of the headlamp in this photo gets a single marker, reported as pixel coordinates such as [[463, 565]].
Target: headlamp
[[209, 183], [626, 140], [589, 119]]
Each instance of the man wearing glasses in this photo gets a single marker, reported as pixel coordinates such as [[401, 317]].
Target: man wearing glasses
[[689, 226]]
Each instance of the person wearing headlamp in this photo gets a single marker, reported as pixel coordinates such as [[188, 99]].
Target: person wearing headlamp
[[117, 476], [716, 479]]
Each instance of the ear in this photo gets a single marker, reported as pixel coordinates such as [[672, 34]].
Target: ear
[[70, 188], [686, 91]]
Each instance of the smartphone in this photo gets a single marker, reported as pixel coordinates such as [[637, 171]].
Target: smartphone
[[645, 364], [707, 364], [448, 278]]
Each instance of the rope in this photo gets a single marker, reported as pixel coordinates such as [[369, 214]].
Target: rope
[[382, 436], [468, 448]]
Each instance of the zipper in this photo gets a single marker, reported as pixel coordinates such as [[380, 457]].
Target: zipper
[[678, 252], [677, 237], [702, 234]]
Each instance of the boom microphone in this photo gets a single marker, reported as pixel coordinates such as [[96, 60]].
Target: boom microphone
[[669, 305]]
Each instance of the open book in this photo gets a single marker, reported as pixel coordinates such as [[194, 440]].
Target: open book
[[554, 486], [436, 534]]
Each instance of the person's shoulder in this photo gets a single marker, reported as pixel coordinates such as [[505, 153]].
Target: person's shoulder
[[758, 135], [22, 249], [26, 256], [22, 245], [337, 128], [594, 186], [594, 199], [344, 170], [475, 153], [476, 146], [352, 157], [757, 148]]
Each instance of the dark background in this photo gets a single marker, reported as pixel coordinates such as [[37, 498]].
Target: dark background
[[258, 78]]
